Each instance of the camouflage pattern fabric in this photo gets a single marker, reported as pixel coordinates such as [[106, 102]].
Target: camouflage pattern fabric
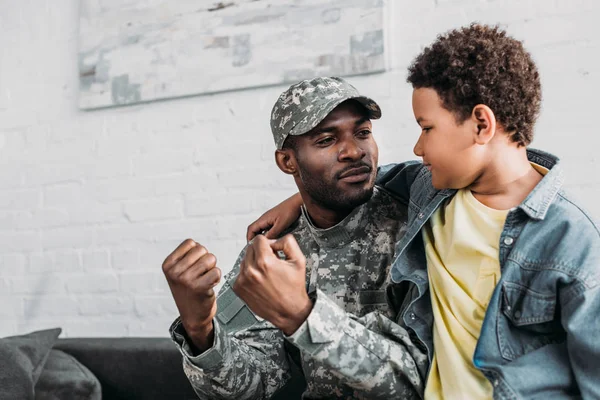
[[350, 346], [303, 105]]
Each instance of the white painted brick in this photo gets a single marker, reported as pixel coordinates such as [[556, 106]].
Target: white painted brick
[[26, 199], [125, 259], [106, 326], [218, 203], [92, 283], [67, 261], [19, 241], [152, 327], [195, 182], [149, 306], [5, 288], [19, 220], [162, 163], [51, 218], [140, 282], [37, 284], [48, 306], [68, 237], [10, 307], [59, 195], [105, 305], [96, 260], [96, 213], [120, 188], [13, 264], [167, 207]]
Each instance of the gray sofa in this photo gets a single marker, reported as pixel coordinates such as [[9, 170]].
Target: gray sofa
[[144, 368]]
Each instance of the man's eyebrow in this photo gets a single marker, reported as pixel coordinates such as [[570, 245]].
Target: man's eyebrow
[[361, 121]]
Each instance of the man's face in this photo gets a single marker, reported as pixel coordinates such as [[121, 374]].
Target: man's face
[[337, 160]]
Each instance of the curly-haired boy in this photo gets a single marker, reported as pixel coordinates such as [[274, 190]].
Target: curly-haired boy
[[513, 263], [501, 267]]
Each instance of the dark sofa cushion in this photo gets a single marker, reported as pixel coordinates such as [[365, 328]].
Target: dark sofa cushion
[[22, 360], [65, 378]]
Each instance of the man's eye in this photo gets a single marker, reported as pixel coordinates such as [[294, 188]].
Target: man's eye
[[427, 129], [364, 132], [325, 141]]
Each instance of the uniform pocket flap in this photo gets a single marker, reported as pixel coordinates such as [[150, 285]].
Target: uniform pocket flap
[[523, 306], [231, 310], [368, 297]]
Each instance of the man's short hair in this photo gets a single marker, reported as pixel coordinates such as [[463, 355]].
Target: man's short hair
[[481, 64]]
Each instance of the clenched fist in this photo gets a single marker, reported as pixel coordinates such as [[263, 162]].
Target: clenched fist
[[192, 274], [273, 288]]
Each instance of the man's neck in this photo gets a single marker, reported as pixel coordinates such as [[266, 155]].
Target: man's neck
[[507, 180], [322, 217]]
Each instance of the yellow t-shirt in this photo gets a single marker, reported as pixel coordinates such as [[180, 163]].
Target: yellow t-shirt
[[461, 244]]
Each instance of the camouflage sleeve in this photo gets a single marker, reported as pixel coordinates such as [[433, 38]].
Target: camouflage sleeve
[[371, 354], [247, 359]]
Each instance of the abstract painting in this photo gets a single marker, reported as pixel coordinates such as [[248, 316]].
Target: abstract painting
[[133, 51]]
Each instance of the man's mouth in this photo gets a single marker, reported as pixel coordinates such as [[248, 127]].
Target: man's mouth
[[356, 174]]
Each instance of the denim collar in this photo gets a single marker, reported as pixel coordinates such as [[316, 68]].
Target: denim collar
[[537, 203]]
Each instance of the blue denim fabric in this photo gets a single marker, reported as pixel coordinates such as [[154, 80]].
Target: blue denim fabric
[[541, 333]]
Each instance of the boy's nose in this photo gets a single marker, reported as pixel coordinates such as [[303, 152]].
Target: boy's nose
[[418, 149]]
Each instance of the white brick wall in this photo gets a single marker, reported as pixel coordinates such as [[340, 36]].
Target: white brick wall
[[92, 202]]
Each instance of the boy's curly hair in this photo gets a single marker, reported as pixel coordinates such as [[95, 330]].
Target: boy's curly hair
[[481, 64]]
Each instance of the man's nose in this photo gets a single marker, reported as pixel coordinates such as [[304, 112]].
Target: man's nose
[[351, 150]]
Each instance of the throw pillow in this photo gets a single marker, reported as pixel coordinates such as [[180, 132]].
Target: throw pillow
[[22, 359], [65, 378]]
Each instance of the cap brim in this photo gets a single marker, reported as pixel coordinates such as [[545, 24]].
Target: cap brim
[[373, 110]]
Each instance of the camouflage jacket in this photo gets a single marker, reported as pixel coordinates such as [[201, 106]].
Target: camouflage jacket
[[350, 347]]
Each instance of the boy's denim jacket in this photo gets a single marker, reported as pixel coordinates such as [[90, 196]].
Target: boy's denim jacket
[[541, 333]]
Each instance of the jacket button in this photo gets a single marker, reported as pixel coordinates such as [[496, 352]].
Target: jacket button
[[421, 215], [508, 240], [413, 316]]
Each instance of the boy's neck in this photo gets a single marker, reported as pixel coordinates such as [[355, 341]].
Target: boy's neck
[[507, 179]]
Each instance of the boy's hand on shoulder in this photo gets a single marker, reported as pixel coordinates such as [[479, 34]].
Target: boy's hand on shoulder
[[273, 288]]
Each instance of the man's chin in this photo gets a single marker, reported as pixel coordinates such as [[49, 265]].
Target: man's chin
[[353, 198]]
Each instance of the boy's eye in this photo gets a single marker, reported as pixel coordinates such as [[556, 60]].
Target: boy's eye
[[364, 132], [426, 129]]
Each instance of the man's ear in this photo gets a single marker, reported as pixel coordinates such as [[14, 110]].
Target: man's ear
[[286, 161], [483, 117]]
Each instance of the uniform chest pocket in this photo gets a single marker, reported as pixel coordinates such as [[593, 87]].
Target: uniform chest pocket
[[527, 321]]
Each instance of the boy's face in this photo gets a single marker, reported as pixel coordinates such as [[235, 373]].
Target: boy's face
[[448, 149]]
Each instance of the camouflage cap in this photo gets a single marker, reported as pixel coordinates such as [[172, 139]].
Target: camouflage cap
[[303, 105]]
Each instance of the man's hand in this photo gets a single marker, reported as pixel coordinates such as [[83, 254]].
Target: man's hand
[[273, 288], [192, 273]]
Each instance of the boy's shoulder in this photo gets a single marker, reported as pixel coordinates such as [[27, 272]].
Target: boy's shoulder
[[568, 209], [409, 180], [567, 240]]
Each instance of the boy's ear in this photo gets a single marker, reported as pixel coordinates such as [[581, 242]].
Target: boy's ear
[[485, 120], [286, 161]]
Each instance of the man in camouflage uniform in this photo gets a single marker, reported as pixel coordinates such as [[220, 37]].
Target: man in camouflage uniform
[[317, 296]]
